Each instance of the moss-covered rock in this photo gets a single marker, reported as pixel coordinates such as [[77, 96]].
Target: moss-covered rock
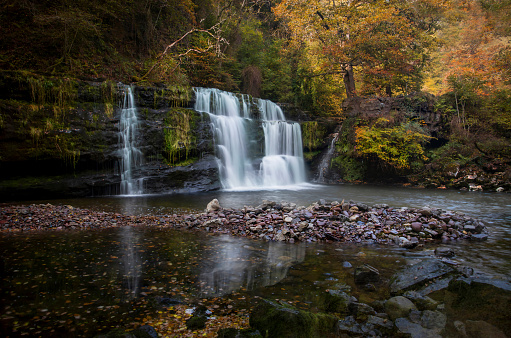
[[63, 134], [276, 320]]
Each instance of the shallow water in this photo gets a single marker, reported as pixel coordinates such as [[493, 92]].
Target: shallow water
[[77, 283], [494, 209]]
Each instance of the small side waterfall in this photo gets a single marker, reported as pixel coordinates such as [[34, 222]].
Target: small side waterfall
[[236, 140], [131, 156], [324, 164]]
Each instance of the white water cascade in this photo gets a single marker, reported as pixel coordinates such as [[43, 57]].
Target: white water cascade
[[324, 165], [131, 156], [235, 132]]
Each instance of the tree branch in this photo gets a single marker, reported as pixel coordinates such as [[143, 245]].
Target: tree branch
[[214, 32]]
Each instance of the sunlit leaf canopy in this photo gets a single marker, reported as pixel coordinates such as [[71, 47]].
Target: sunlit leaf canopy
[[387, 42]]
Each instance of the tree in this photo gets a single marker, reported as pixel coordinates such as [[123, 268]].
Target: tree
[[383, 38], [397, 147]]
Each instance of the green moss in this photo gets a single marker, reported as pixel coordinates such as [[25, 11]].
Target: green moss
[[277, 320], [313, 135], [175, 95], [186, 162], [57, 92], [350, 168], [310, 155], [179, 136]]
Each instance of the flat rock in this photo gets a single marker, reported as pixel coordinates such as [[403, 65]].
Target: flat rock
[[415, 275]]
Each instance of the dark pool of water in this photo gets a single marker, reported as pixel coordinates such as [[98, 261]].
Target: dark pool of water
[[81, 283]]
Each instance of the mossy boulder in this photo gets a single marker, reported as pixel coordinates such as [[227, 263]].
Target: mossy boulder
[[336, 301], [276, 320]]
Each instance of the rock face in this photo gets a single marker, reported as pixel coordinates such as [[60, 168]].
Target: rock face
[[63, 135]]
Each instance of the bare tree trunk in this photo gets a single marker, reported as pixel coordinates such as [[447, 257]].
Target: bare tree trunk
[[388, 90], [349, 81]]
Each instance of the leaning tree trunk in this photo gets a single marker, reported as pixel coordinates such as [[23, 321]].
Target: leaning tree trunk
[[349, 81]]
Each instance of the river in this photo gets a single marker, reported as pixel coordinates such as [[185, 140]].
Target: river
[[79, 283]]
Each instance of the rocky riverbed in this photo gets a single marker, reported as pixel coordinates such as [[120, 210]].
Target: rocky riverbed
[[271, 221], [432, 297]]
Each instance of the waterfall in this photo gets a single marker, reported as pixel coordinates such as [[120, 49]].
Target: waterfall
[[324, 164], [131, 156], [234, 127]]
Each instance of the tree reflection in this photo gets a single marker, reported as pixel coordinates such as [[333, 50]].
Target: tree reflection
[[233, 265]]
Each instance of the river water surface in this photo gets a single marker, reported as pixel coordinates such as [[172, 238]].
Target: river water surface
[[80, 283]]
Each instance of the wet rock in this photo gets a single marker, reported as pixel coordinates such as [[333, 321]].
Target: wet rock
[[488, 295], [421, 302], [415, 275], [435, 285], [366, 274], [416, 226], [360, 310], [479, 237], [146, 331], [479, 328], [336, 301], [433, 320], [382, 324], [414, 330], [196, 323], [213, 223], [346, 265], [277, 320], [399, 306], [349, 325], [198, 320], [407, 244], [214, 205], [444, 252], [460, 327]]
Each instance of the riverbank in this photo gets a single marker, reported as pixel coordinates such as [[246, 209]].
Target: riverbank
[[284, 222]]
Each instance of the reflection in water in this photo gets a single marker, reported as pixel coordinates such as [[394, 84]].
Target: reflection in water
[[130, 261], [233, 265]]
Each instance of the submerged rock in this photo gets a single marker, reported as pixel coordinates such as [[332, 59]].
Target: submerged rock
[[479, 328], [366, 274]]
